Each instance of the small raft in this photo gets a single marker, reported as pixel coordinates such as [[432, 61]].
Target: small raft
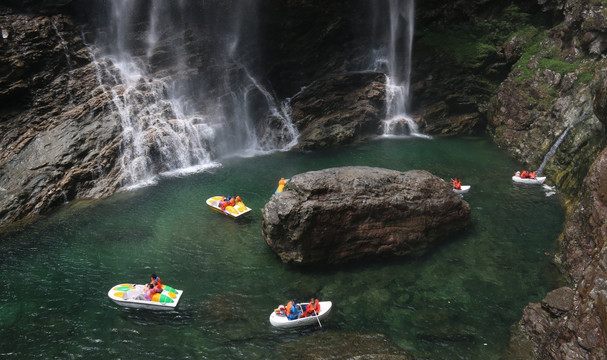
[[537, 180], [464, 189], [126, 295], [281, 321], [281, 185], [234, 211]]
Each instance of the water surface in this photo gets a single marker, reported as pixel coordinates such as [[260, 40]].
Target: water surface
[[456, 302]]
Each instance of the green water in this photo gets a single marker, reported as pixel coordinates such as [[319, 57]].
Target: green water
[[456, 302]]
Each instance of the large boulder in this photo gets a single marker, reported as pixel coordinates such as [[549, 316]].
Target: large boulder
[[340, 214]]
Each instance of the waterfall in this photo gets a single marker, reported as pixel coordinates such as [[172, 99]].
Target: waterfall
[[393, 56], [182, 112], [558, 143]]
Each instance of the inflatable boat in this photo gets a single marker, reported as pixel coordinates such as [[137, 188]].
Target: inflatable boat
[[281, 321], [537, 180]]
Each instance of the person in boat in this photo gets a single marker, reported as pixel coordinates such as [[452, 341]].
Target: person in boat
[[532, 175], [293, 311], [156, 283], [524, 174], [313, 308], [456, 184], [150, 291], [281, 310], [147, 293]]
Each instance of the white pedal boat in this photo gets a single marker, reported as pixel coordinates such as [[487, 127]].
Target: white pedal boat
[[281, 321], [234, 211], [125, 294], [464, 189], [537, 180]]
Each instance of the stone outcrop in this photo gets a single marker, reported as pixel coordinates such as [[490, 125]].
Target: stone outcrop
[[57, 142], [339, 110], [340, 214]]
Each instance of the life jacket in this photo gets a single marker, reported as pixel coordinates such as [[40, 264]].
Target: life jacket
[[317, 306], [524, 174], [309, 309], [238, 199], [223, 204], [281, 181], [532, 175], [289, 305], [232, 202]]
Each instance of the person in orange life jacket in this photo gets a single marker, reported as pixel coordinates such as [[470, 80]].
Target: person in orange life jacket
[[238, 199], [524, 174], [312, 308], [149, 292], [156, 283], [232, 201], [532, 175], [293, 311], [456, 184]]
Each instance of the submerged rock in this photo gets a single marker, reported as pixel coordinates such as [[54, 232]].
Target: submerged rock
[[340, 214]]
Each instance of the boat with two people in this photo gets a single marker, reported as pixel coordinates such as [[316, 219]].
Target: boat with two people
[[228, 205], [527, 177], [300, 314], [145, 296]]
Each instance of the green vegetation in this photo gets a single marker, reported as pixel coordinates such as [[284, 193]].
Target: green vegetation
[[469, 43]]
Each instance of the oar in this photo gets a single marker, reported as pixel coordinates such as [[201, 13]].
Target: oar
[[317, 319]]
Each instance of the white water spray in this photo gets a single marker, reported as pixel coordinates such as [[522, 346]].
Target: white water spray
[[171, 123], [558, 143], [394, 58]]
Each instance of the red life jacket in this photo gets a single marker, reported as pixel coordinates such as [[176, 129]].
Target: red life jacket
[[532, 175]]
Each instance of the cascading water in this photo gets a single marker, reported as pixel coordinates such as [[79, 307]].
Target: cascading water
[[393, 56], [558, 143], [180, 113]]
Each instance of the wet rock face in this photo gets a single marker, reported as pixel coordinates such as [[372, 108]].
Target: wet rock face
[[341, 214], [57, 142], [339, 110], [572, 323]]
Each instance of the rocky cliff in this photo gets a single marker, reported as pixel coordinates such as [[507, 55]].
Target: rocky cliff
[[530, 74]]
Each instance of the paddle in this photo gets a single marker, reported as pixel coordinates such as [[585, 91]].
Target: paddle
[[317, 319]]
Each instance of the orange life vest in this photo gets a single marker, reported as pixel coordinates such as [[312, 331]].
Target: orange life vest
[[289, 305]]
